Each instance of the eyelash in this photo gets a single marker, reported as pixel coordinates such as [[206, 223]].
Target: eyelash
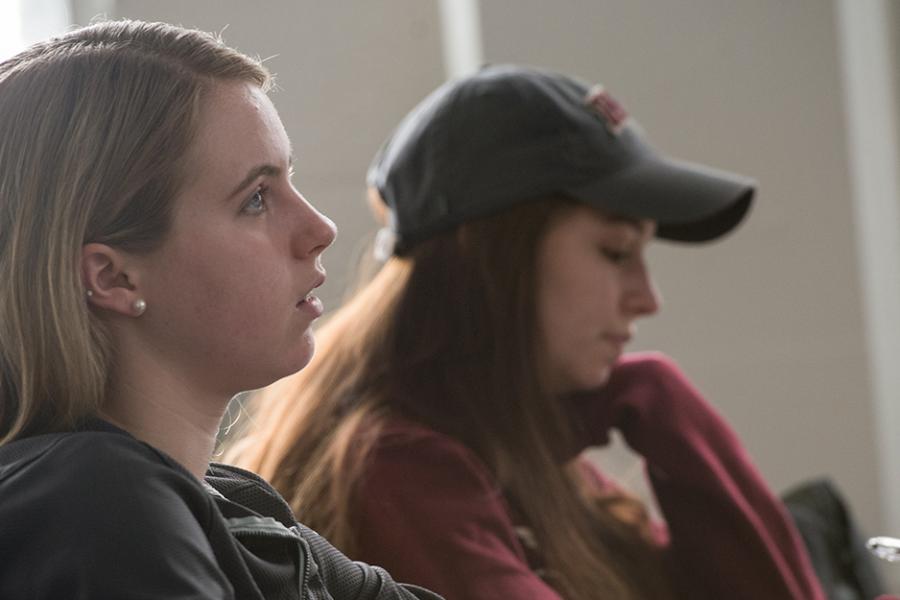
[[616, 257], [260, 191]]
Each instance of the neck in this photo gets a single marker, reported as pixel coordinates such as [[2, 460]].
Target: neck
[[156, 407]]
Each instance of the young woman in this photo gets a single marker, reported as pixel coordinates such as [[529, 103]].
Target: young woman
[[439, 427], [155, 260]]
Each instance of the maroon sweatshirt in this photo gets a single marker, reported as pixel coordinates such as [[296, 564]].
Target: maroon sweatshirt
[[432, 513]]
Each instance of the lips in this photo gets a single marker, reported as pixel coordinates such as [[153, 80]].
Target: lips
[[310, 299], [618, 342], [618, 338], [311, 304]]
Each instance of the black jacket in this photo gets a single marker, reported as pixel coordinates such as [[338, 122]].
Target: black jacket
[[97, 514], [837, 548]]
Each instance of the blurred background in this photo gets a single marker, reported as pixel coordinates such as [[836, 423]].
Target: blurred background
[[791, 326]]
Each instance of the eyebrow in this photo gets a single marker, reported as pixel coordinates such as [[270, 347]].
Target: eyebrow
[[632, 223], [636, 224], [259, 171]]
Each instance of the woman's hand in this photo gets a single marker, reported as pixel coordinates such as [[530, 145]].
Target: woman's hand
[[730, 536]]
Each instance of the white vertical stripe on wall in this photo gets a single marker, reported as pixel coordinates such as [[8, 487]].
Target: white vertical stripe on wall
[[461, 30], [11, 40], [23, 22], [44, 18], [871, 113]]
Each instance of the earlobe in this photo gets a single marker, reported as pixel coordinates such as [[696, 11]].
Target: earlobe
[[108, 282]]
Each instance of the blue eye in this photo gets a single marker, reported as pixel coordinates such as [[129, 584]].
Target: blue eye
[[256, 203]]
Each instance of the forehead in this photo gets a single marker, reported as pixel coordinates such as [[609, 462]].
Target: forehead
[[238, 128]]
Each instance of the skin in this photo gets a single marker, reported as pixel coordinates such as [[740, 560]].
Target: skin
[[228, 292], [593, 285]]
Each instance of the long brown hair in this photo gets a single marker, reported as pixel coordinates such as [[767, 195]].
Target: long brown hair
[[94, 127], [447, 336]]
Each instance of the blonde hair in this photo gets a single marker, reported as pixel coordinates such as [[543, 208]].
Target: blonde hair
[[446, 336], [94, 128]]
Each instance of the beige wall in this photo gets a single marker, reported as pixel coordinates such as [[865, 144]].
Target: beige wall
[[894, 26], [769, 321]]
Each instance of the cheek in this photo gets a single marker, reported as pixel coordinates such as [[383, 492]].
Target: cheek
[[220, 287], [566, 328], [574, 316], [577, 308]]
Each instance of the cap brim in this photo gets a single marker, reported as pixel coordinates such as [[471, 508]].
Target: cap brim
[[689, 202]]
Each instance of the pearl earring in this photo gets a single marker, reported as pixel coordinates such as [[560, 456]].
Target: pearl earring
[[89, 293], [139, 306]]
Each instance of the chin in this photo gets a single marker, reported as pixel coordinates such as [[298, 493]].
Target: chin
[[600, 378], [303, 353], [589, 382], [298, 358]]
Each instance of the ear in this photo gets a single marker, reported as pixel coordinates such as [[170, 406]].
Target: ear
[[110, 280]]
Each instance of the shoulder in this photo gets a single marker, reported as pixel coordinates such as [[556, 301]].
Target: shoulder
[[81, 467], [78, 502], [401, 435], [94, 489], [414, 473], [411, 454], [429, 510]]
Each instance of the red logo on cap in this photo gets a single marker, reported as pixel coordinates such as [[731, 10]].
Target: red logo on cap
[[608, 107]]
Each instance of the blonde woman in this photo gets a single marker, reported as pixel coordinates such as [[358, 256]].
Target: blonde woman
[[438, 429], [155, 261]]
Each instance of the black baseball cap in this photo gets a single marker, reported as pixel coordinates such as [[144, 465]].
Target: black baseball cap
[[509, 134]]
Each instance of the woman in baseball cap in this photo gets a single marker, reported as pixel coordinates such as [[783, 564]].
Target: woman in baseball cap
[[439, 429]]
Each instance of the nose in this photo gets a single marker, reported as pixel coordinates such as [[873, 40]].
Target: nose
[[642, 298], [313, 231]]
